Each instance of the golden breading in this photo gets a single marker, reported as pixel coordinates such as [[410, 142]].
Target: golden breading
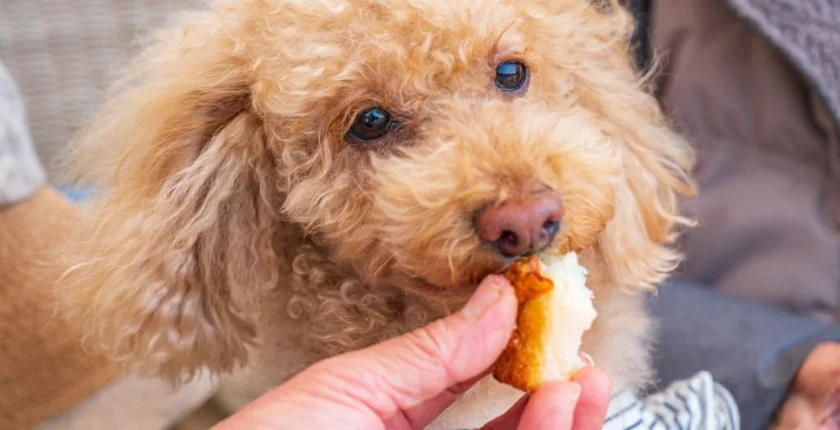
[[555, 308]]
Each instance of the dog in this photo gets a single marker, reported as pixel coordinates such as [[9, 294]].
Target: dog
[[287, 180]]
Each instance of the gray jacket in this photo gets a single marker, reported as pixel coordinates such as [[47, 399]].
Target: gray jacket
[[755, 86]]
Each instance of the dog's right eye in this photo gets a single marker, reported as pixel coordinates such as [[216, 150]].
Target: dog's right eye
[[512, 76], [372, 124]]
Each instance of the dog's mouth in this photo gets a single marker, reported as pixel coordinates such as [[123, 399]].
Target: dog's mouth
[[444, 275], [455, 290], [472, 270]]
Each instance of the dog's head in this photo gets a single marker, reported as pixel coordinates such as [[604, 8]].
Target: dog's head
[[423, 143]]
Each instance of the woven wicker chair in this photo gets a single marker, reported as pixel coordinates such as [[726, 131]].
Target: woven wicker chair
[[63, 54]]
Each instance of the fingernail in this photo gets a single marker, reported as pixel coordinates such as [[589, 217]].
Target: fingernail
[[575, 392], [587, 359], [487, 293]]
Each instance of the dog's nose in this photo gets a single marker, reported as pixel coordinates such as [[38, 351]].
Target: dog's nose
[[521, 225]]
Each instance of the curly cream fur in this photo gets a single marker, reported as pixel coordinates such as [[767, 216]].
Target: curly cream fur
[[238, 218]]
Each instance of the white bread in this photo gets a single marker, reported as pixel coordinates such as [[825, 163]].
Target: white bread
[[555, 310]]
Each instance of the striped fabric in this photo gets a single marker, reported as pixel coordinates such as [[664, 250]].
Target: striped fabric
[[697, 403]]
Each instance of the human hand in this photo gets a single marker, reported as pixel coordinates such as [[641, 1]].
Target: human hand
[[405, 382], [814, 401]]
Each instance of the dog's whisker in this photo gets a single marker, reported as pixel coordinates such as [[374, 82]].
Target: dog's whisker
[[380, 267]]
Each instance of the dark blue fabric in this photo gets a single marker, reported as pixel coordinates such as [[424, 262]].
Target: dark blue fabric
[[752, 350]]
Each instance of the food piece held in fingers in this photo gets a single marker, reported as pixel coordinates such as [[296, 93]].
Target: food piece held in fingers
[[555, 309]]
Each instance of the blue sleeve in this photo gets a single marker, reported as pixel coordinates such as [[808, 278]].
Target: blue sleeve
[[752, 350]]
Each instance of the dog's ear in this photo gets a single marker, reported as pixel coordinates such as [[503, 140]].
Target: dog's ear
[[638, 242], [183, 241]]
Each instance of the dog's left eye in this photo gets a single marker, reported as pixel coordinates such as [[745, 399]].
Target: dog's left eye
[[511, 76], [372, 124]]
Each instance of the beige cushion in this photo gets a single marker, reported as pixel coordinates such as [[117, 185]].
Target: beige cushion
[[45, 375], [43, 369]]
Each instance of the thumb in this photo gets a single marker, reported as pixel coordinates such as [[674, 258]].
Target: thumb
[[416, 376]]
